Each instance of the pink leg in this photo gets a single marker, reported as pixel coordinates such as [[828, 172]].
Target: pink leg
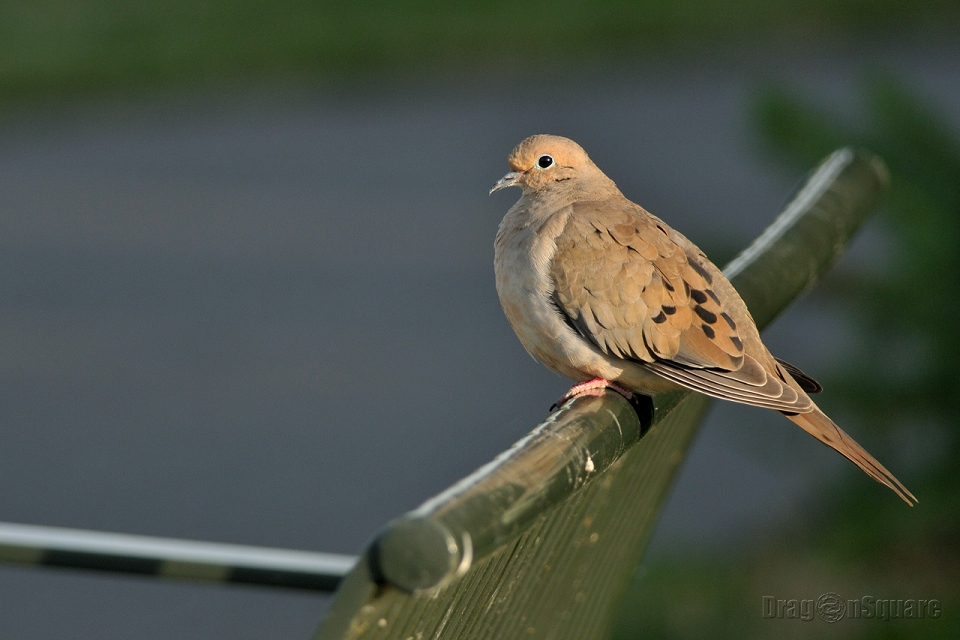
[[594, 387]]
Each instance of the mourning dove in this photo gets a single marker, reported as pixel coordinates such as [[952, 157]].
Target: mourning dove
[[601, 291]]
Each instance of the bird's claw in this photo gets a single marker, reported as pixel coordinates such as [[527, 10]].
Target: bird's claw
[[594, 387]]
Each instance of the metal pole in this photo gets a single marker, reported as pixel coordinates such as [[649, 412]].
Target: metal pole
[[172, 558]]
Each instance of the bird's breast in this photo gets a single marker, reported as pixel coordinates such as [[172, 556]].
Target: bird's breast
[[522, 262], [524, 254]]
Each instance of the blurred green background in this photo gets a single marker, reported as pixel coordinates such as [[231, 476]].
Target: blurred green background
[[62, 47], [901, 386]]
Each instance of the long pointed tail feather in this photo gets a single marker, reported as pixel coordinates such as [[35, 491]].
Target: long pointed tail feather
[[817, 424]]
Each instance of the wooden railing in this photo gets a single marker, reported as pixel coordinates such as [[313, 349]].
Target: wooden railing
[[543, 541]]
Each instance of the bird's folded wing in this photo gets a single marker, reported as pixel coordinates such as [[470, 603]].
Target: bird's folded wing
[[623, 283]]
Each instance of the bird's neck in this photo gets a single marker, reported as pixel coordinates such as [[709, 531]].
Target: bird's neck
[[544, 202]]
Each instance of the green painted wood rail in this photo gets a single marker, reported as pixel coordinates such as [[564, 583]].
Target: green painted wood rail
[[543, 541]]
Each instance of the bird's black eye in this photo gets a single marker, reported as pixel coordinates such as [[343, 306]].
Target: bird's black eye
[[545, 162]]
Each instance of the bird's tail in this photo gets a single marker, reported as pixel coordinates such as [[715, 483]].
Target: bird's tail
[[817, 424]]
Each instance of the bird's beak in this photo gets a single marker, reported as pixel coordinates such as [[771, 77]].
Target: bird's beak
[[509, 180]]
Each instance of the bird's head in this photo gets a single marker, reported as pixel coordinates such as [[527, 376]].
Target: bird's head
[[542, 160]]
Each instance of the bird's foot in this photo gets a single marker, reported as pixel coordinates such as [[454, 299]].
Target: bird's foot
[[594, 388]]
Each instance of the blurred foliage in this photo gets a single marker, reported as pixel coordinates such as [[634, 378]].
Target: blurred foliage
[[900, 393], [904, 380], [65, 47]]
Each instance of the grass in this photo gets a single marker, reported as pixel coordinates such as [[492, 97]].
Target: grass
[[53, 48]]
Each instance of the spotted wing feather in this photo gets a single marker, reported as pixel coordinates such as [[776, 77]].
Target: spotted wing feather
[[639, 291]]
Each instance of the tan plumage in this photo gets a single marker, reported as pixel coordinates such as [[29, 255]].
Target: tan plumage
[[598, 288]]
